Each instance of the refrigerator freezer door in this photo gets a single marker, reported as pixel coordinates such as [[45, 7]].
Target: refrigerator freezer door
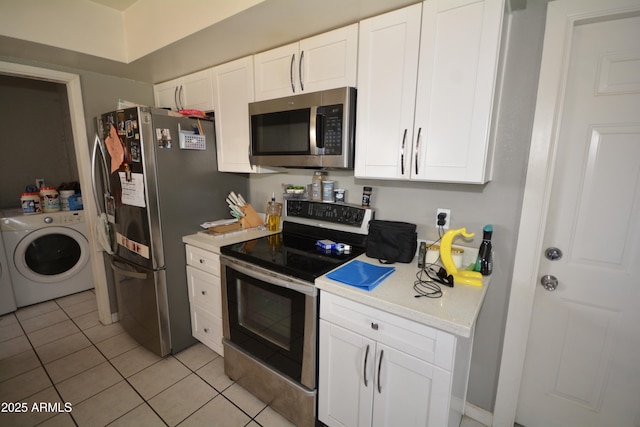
[[142, 305]]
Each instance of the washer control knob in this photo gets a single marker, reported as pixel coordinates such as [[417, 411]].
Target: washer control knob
[[48, 219]]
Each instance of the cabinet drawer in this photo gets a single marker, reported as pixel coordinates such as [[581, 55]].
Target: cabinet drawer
[[424, 342], [203, 260], [204, 290], [207, 328]]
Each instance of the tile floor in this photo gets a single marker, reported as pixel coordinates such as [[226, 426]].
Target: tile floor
[[57, 352]]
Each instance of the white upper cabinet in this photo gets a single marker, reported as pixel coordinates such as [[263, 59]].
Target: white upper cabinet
[[325, 61], [233, 89], [192, 92], [427, 78], [388, 68]]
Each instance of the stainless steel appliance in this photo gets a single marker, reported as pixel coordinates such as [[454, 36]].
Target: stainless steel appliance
[[270, 303], [159, 183], [310, 130]]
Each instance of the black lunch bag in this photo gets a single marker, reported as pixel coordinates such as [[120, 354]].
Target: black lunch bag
[[391, 241]]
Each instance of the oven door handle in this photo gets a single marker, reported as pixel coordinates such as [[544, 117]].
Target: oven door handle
[[270, 277]]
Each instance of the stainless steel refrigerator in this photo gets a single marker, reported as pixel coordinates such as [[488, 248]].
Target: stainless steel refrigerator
[[155, 180]]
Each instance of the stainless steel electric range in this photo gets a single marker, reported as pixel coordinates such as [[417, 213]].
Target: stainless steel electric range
[[270, 303]]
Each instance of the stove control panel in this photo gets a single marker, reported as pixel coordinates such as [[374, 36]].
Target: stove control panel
[[335, 213]]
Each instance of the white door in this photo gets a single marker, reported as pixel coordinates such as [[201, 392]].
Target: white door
[[582, 365]]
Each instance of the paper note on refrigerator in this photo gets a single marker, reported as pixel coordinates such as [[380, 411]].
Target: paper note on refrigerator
[[132, 190]]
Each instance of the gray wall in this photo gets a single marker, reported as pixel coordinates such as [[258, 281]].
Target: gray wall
[[472, 206]]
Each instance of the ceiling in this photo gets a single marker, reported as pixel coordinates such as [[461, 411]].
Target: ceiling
[[120, 5], [268, 24]]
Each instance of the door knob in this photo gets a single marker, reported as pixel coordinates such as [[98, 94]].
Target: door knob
[[549, 282], [553, 254]]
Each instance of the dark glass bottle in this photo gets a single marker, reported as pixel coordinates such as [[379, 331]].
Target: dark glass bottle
[[484, 264]]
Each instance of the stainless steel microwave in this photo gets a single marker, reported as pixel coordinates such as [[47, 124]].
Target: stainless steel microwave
[[312, 130]]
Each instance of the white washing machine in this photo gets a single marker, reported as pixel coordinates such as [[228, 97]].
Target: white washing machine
[[48, 254], [7, 300]]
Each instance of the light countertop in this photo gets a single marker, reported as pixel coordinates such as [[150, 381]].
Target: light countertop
[[455, 312], [212, 243]]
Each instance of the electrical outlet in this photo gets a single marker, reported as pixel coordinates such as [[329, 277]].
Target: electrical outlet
[[443, 218]]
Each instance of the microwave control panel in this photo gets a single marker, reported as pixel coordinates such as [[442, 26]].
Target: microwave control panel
[[332, 135]]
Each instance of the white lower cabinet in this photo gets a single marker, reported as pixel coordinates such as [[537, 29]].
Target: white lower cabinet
[[205, 297], [377, 369]]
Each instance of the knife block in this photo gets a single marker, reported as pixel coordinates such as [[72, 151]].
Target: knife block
[[251, 218]]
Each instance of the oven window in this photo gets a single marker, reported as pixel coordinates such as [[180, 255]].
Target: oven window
[[52, 254], [286, 132], [267, 321]]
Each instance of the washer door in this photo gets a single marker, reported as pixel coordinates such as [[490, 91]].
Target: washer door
[[51, 254]]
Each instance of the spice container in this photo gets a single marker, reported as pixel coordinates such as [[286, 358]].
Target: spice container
[[339, 194], [366, 197], [316, 185], [49, 199], [327, 191]]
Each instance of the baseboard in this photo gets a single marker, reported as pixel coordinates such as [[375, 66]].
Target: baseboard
[[478, 414]]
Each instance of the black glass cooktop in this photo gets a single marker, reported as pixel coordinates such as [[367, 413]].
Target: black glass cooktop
[[294, 251]]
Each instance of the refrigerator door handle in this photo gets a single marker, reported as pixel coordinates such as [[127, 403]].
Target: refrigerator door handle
[[96, 146], [128, 273]]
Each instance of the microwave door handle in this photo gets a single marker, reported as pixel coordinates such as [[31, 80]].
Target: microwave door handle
[[320, 133], [313, 131]]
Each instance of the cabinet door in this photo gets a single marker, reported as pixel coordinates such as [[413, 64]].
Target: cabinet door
[[459, 53], [196, 91], [408, 391], [276, 72], [166, 94], [346, 377], [387, 79], [329, 60], [233, 91]]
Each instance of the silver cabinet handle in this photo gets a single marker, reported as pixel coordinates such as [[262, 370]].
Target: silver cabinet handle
[[175, 97], [404, 140], [364, 369], [181, 107], [417, 149], [300, 71], [379, 368], [293, 84]]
